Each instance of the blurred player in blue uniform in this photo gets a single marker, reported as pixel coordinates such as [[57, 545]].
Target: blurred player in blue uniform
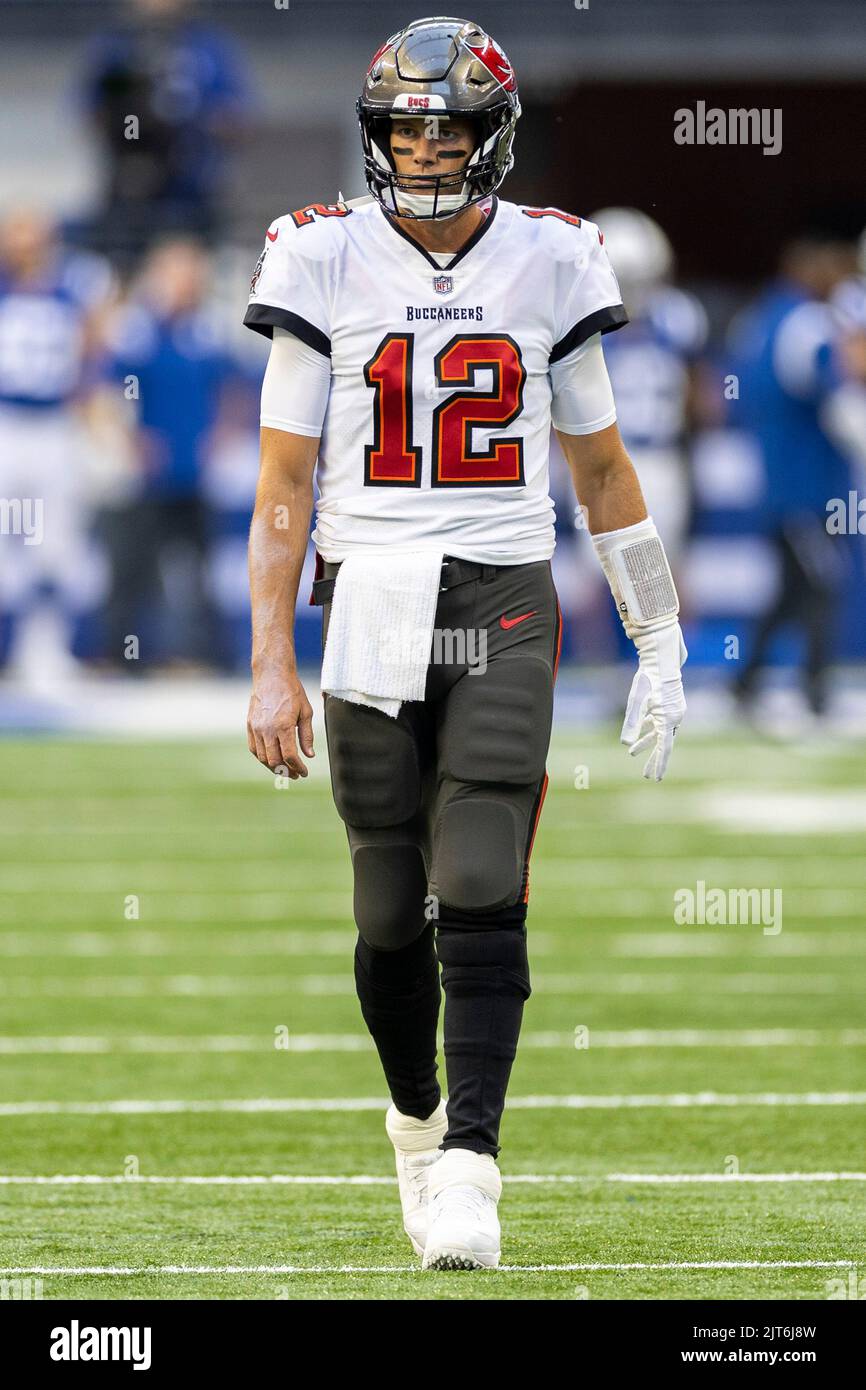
[[187, 85], [788, 368], [50, 304], [652, 366], [171, 362], [229, 491]]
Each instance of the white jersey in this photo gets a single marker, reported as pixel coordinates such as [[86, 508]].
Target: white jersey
[[437, 429]]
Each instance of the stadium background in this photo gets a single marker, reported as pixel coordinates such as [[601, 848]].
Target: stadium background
[[243, 895]]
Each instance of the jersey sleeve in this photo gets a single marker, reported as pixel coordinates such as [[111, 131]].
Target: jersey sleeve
[[289, 288], [582, 397], [295, 388], [588, 294]]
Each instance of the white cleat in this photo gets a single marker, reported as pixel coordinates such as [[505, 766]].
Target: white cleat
[[464, 1188], [416, 1149]]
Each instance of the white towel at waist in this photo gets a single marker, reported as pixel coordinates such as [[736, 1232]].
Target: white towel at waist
[[381, 629]]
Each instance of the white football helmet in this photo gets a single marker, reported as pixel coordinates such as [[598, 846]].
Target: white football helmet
[[639, 251]]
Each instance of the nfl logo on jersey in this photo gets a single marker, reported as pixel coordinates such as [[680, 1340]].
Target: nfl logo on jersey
[[443, 284]]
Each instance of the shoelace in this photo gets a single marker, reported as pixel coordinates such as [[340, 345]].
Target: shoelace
[[417, 1171], [470, 1200]]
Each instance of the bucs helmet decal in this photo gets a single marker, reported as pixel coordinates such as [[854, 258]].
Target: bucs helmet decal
[[491, 55]]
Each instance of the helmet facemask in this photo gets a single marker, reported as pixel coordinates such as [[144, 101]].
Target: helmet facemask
[[430, 196]]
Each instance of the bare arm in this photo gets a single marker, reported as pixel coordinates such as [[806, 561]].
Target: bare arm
[[279, 709], [604, 479]]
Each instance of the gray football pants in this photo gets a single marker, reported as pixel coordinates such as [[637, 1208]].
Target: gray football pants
[[442, 802]]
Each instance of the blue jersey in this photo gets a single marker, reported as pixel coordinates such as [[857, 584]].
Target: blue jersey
[[648, 369], [786, 368], [193, 84], [43, 340], [178, 367]]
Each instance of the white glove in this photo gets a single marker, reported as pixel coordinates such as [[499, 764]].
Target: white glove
[[656, 703]]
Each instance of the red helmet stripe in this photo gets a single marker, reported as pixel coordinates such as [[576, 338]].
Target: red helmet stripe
[[377, 55]]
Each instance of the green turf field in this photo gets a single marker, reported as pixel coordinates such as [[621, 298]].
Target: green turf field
[[175, 929]]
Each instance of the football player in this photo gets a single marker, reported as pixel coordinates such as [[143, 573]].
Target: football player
[[786, 345], [52, 302], [423, 338], [169, 341], [652, 367]]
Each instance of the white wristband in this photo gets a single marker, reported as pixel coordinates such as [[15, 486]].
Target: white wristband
[[637, 570]]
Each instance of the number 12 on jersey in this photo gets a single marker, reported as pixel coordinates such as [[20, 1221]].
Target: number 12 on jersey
[[393, 460]]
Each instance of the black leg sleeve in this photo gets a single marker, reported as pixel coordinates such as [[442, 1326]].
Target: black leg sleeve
[[485, 975], [399, 996]]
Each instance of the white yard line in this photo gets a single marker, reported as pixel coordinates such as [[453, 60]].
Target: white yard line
[[13, 1270], [127, 939], [806, 873], [317, 1042], [377, 1180], [173, 906], [657, 904], [653, 983], [27, 1045], [170, 904], [733, 1177], [687, 1100], [735, 940], [130, 939], [659, 872], [104, 880], [297, 1105], [703, 1037], [339, 985]]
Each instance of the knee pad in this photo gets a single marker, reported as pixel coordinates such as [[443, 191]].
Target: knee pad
[[497, 726], [492, 961], [479, 846], [493, 747], [375, 775], [390, 894]]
